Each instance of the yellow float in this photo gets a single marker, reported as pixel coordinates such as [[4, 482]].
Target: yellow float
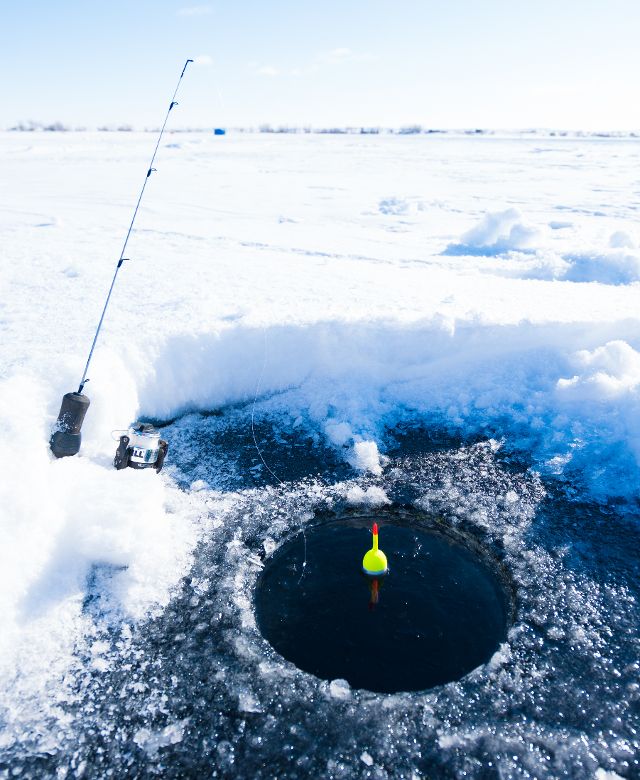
[[374, 562]]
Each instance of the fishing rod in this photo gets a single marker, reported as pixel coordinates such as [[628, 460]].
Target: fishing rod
[[66, 437]]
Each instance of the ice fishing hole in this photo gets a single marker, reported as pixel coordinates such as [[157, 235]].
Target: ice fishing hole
[[442, 609]]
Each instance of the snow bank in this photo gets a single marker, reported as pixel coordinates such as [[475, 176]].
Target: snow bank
[[353, 380], [69, 528], [606, 373], [604, 398]]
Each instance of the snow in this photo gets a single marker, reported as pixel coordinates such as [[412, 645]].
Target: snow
[[608, 267], [622, 240], [496, 233], [480, 284], [373, 496]]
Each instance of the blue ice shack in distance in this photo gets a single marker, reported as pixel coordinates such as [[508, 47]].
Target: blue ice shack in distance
[[219, 131]]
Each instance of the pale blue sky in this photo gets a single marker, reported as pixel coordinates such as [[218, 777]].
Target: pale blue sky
[[441, 63]]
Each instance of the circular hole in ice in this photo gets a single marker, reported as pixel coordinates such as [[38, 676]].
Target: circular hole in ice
[[442, 609]]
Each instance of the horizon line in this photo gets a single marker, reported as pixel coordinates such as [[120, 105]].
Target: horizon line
[[331, 129]]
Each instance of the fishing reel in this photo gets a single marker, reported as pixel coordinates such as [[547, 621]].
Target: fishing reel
[[141, 448]]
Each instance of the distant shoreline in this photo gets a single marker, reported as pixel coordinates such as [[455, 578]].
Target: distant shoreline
[[59, 127]]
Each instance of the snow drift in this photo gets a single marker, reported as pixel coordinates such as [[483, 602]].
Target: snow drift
[[497, 232], [352, 380]]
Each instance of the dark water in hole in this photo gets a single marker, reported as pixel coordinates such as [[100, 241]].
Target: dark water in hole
[[439, 612]]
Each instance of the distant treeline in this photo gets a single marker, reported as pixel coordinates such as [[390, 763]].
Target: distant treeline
[[32, 126], [59, 127]]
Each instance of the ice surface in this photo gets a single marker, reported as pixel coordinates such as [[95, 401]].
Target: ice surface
[[553, 701], [319, 270]]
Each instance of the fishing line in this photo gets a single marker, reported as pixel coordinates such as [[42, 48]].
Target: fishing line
[[259, 451], [260, 377], [122, 258]]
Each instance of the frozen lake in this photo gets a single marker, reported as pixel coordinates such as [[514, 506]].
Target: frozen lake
[[448, 323]]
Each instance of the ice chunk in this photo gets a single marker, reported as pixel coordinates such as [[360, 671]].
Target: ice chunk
[[153, 741], [510, 497], [247, 702], [366, 457], [366, 758], [226, 753], [501, 656], [373, 496], [339, 689]]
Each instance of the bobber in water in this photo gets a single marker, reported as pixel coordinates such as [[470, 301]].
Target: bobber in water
[[374, 562]]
